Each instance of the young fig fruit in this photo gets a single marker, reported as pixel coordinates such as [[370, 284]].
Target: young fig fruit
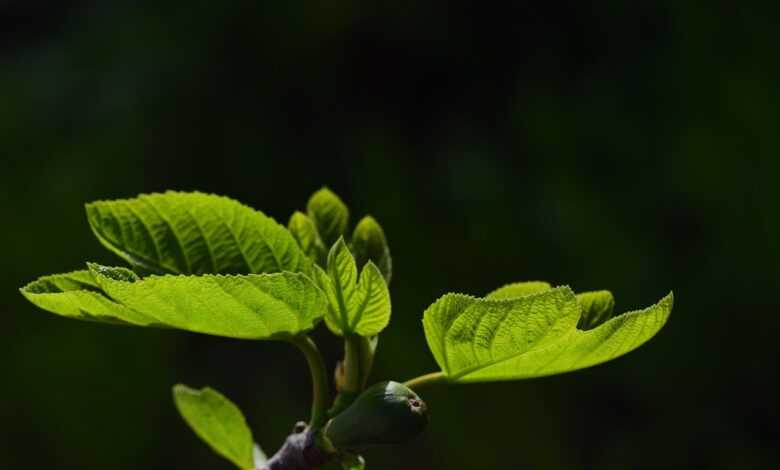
[[385, 413]]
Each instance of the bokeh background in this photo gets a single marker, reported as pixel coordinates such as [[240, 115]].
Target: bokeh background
[[617, 145]]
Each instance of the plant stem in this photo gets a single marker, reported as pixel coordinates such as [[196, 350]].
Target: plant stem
[[367, 351], [319, 406], [352, 363], [427, 379]]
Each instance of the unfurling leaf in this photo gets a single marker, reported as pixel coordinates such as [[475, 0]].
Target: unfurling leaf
[[217, 421], [194, 233], [533, 335], [329, 214], [77, 295], [305, 233], [358, 305], [251, 306], [369, 244]]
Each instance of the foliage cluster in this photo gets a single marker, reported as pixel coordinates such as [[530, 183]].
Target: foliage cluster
[[208, 264]]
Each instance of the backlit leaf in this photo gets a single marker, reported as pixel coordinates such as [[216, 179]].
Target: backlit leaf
[[533, 335], [358, 305], [194, 233], [329, 214], [251, 306], [218, 422], [77, 295], [305, 233], [369, 244]]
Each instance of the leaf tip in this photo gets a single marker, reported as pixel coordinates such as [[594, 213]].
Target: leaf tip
[[669, 299], [368, 220], [180, 391], [339, 245]]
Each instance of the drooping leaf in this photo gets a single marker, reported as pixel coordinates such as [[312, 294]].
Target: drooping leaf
[[476, 340], [305, 233], [76, 295], [358, 305], [369, 244], [218, 422], [251, 306], [518, 289], [597, 307], [194, 233], [329, 214]]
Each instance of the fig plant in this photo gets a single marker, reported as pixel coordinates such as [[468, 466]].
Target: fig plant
[[208, 264]]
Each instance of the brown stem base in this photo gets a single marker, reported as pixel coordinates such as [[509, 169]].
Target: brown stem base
[[299, 452]]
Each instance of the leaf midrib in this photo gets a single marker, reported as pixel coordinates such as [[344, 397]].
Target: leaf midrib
[[364, 303], [340, 296], [176, 236]]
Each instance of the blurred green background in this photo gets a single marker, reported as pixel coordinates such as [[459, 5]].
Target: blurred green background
[[622, 146]]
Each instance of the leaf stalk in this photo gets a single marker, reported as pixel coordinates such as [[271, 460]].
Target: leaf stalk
[[320, 394], [423, 380]]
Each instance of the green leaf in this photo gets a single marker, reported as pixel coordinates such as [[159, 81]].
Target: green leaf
[[250, 306], [597, 307], [76, 295], [369, 244], [476, 340], [519, 289], [194, 233], [329, 214], [305, 233], [358, 305], [218, 422]]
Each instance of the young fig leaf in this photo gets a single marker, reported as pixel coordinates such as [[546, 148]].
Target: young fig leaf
[[478, 340], [194, 233], [218, 422], [305, 233], [250, 306], [77, 295], [329, 214], [369, 244], [359, 305]]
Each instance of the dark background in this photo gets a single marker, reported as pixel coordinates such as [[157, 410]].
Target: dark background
[[622, 146]]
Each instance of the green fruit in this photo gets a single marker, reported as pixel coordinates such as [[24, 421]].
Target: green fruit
[[385, 413]]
